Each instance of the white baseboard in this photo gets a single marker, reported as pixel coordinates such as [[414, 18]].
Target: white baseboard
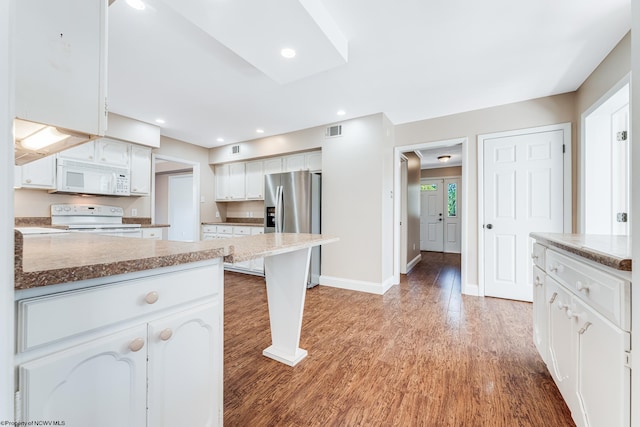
[[357, 285], [471, 289], [413, 263]]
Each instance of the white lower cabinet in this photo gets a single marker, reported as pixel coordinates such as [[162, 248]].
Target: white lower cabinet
[[211, 232], [139, 352], [586, 351]]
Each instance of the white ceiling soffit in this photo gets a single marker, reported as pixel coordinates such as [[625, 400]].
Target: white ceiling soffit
[[429, 157], [302, 25]]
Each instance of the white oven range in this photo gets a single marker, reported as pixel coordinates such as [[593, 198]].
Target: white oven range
[[96, 219]]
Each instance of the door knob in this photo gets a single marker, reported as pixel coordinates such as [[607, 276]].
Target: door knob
[[489, 226], [439, 219]]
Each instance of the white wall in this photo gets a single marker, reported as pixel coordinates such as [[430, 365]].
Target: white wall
[[6, 212], [413, 206], [357, 204]]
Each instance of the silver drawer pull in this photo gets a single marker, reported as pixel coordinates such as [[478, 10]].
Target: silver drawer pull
[[553, 298], [136, 345], [151, 297], [582, 287], [166, 334], [584, 328]]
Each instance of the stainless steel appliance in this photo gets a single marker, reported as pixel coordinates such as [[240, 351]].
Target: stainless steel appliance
[[292, 205], [89, 178], [97, 219]]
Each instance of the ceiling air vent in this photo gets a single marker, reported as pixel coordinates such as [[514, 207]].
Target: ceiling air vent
[[235, 149], [333, 131]]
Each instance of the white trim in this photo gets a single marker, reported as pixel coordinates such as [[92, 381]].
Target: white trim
[[566, 140], [626, 80], [472, 289], [358, 285], [196, 188], [464, 264], [413, 263]]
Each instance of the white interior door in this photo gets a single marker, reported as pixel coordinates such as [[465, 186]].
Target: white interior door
[[523, 189], [181, 213], [452, 214], [432, 215]]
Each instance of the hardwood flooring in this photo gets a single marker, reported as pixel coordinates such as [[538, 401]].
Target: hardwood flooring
[[420, 355]]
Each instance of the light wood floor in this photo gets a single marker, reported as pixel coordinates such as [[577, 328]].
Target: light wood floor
[[420, 355]]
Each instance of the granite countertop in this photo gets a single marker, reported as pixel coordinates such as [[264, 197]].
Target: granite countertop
[[611, 251], [48, 259], [237, 224]]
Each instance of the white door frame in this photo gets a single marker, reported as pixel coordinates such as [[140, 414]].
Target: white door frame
[[397, 208], [566, 129], [196, 188]]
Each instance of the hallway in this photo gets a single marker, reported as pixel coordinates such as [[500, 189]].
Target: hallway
[[420, 355]]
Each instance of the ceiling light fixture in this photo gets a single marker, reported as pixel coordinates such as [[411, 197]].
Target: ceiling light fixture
[[288, 53], [341, 112], [43, 138], [161, 121], [444, 159], [220, 139], [136, 4], [260, 130]]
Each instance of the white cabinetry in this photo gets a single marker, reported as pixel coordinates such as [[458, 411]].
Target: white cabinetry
[[273, 165], [254, 174], [293, 163], [582, 330], [61, 63], [237, 181], [84, 152], [101, 151], [155, 233], [40, 173], [141, 351], [313, 161], [222, 182], [140, 170], [254, 266]]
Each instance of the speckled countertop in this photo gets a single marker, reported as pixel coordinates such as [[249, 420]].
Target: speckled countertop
[[49, 259], [611, 251]]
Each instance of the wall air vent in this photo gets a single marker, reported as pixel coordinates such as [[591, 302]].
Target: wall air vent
[[333, 131], [235, 149]]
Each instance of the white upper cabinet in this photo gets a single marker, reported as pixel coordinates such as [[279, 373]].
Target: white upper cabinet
[[40, 173], [61, 63], [113, 153], [254, 180], [222, 182], [85, 152], [140, 170], [237, 181], [273, 165], [313, 161], [294, 163]]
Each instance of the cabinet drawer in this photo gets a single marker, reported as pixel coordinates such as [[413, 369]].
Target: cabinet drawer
[[46, 319], [537, 254], [241, 231], [209, 228], [225, 229], [152, 233], [257, 230], [607, 294]]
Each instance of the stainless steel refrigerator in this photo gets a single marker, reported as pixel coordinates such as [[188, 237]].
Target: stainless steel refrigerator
[[292, 205]]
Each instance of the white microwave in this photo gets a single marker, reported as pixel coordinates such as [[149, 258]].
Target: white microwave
[[91, 178]]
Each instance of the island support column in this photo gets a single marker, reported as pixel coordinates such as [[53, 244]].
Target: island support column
[[286, 275]]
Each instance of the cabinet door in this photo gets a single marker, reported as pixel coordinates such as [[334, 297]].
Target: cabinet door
[[254, 180], [313, 161], [237, 181], [85, 152], [40, 173], [61, 63], [222, 182], [561, 354], [294, 163], [539, 313], [100, 383], [603, 380], [114, 153], [273, 166], [140, 170], [185, 368]]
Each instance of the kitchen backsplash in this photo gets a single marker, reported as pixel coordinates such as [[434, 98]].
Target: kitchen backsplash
[[246, 209]]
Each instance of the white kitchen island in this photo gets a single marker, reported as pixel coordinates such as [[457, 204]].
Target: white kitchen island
[[114, 331]]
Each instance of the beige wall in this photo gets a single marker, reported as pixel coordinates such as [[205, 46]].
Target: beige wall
[[441, 172], [413, 206], [520, 115]]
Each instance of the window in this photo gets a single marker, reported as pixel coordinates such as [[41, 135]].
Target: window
[[452, 199], [429, 187]]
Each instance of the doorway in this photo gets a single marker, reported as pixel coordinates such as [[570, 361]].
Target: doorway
[[440, 215], [175, 196]]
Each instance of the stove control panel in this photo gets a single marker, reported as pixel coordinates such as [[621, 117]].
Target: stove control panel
[[86, 210]]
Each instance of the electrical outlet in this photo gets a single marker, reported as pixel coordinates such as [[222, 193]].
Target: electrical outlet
[[247, 214], [134, 212], [217, 214]]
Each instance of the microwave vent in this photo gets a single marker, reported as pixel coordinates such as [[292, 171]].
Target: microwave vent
[[333, 131], [235, 149]]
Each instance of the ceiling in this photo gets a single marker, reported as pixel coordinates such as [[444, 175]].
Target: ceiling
[[213, 69], [429, 157]]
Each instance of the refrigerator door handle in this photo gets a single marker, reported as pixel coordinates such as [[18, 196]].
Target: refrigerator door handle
[[279, 209]]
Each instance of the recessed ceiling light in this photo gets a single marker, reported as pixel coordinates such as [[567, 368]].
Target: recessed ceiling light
[[161, 121], [288, 53], [136, 4], [220, 139], [260, 130], [341, 112]]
